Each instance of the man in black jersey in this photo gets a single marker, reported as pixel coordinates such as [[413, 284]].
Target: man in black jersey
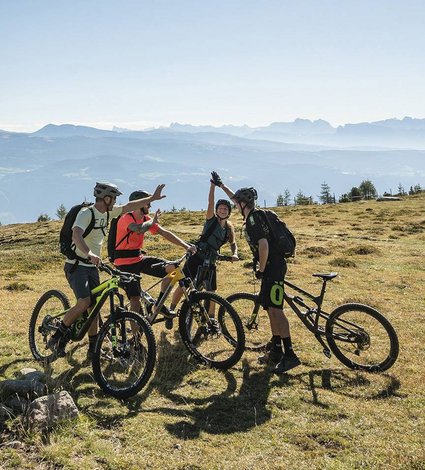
[[270, 267]]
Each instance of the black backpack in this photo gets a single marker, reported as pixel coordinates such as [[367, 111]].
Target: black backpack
[[280, 233], [113, 253], [66, 244]]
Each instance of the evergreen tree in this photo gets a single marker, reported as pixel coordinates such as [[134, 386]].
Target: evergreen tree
[[325, 194], [286, 197], [43, 218], [61, 212], [367, 189], [279, 200]]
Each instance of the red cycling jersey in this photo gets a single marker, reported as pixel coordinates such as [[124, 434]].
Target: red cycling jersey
[[135, 240]]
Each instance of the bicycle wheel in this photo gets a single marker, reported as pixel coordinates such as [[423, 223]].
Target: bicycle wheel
[[43, 325], [256, 325], [362, 338], [211, 330], [124, 355]]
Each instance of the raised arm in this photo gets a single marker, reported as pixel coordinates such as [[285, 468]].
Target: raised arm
[[210, 209], [144, 202], [216, 180]]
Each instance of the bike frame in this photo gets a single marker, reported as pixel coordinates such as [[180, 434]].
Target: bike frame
[[99, 295]]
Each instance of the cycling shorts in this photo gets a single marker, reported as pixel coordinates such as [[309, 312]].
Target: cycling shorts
[[144, 266], [81, 279], [271, 291]]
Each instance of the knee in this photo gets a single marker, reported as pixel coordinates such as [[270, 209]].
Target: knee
[[84, 304]]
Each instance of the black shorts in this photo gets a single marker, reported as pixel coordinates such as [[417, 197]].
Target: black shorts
[[81, 279], [209, 276], [271, 291], [144, 266]]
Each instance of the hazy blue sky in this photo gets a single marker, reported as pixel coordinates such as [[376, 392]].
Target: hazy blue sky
[[138, 63]]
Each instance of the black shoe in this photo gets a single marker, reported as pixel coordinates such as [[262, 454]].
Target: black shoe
[[57, 344], [169, 323], [167, 312], [286, 363], [271, 356]]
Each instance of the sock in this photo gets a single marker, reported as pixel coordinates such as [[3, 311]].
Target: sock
[[62, 329], [276, 343], [287, 344], [92, 342]]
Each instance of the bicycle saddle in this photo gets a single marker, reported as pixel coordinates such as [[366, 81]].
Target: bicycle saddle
[[326, 277]]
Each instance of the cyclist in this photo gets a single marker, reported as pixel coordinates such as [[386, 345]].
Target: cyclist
[[82, 275], [217, 231], [270, 267], [131, 229]]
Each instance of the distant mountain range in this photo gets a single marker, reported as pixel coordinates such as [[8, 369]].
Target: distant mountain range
[[60, 163]]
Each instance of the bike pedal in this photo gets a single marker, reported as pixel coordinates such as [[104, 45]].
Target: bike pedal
[[327, 353]]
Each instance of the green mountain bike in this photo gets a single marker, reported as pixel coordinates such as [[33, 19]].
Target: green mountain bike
[[125, 351]]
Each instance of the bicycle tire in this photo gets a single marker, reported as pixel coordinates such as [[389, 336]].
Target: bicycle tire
[[124, 370], [257, 330], [41, 327], [351, 339], [211, 343]]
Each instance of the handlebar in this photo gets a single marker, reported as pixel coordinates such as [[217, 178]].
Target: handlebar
[[176, 262]]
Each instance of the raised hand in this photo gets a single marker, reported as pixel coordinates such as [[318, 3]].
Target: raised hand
[[215, 179], [157, 194], [155, 219]]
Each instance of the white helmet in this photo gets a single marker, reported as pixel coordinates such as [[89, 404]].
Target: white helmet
[[102, 190]]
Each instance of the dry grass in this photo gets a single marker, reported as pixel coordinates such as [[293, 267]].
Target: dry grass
[[321, 415]]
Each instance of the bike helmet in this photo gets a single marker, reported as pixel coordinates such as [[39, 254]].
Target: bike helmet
[[139, 194], [224, 202], [247, 195], [102, 190]]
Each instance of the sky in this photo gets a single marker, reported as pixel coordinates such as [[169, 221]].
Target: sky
[[138, 63]]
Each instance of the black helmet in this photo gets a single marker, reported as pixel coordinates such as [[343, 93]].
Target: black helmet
[[224, 202], [102, 190], [248, 195], [139, 194]]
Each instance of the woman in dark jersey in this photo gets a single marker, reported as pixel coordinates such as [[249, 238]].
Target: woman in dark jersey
[[217, 231]]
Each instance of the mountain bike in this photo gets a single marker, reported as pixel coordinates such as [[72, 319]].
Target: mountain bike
[[358, 335], [216, 341], [125, 351]]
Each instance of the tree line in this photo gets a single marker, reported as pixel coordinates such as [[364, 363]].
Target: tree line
[[366, 190]]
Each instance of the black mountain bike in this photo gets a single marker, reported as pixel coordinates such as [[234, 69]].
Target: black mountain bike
[[125, 351], [215, 340], [358, 335]]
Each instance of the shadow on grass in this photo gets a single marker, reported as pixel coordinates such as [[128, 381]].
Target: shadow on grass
[[357, 385]]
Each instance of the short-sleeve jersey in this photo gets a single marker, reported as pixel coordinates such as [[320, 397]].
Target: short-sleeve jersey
[[134, 240], [95, 238], [255, 229]]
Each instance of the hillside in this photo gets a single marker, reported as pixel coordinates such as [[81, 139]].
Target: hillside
[[321, 415]]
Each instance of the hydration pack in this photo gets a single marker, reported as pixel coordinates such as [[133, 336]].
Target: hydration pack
[[113, 245], [281, 236], [66, 245]]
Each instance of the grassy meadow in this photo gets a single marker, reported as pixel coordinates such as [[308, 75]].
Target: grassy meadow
[[320, 415]]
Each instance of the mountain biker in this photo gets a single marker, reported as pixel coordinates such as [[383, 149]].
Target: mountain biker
[[83, 276], [270, 267], [217, 231], [131, 229]]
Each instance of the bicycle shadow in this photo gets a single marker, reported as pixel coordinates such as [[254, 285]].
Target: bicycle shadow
[[351, 384]]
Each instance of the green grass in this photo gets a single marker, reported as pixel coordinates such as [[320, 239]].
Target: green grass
[[321, 415]]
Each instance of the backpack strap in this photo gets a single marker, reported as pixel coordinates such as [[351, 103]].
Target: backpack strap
[[204, 237], [127, 235], [90, 226]]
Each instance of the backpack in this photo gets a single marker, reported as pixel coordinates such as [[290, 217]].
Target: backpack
[[113, 253], [280, 233], [66, 245]]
